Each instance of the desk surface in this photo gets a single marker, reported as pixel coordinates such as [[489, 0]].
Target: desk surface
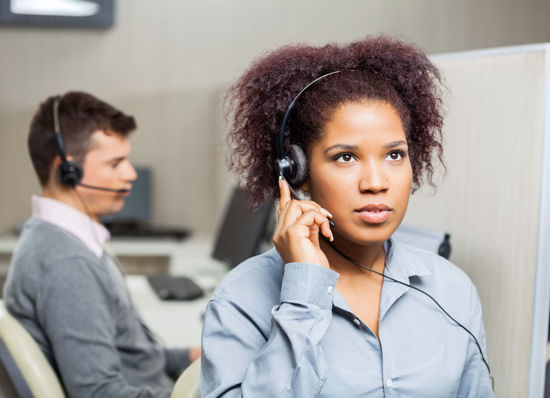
[[177, 323], [137, 246], [187, 257]]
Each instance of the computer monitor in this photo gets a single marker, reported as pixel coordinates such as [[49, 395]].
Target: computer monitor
[[135, 219], [242, 231]]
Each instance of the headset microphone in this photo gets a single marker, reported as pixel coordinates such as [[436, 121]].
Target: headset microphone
[[121, 190], [71, 173]]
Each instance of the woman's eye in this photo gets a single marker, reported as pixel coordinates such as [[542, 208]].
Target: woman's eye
[[344, 158], [396, 155]]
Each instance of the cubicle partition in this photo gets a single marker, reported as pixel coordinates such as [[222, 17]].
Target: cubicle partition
[[495, 201]]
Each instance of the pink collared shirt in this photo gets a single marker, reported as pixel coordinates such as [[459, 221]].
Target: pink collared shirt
[[91, 233]]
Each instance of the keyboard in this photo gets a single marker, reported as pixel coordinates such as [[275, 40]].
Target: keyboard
[[175, 287], [145, 230]]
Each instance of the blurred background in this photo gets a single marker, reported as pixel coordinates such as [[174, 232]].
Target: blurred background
[[168, 63]]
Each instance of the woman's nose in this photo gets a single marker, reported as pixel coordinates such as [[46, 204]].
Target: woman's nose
[[373, 178]]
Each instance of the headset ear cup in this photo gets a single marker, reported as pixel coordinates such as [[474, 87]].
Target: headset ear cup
[[299, 161], [69, 173]]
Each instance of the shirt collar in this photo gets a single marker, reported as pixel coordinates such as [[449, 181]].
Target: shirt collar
[[402, 262], [91, 233]]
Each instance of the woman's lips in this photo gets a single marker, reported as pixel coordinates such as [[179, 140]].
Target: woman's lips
[[375, 213]]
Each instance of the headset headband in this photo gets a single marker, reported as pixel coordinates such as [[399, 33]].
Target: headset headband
[[281, 139], [57, 130]]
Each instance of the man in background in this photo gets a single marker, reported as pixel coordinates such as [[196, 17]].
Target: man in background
[[62, 285]]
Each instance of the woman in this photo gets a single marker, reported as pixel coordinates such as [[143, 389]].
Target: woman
[[354, 129]]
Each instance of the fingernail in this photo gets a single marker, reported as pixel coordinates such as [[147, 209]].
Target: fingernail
[[331, 237], [280, 177], [326, 212]]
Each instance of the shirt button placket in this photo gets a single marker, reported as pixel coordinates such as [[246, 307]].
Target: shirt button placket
[[386, 371]]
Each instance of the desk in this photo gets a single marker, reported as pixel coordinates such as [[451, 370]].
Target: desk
[[188, 257], [177, 323]]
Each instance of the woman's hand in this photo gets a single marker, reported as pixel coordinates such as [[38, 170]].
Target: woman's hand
[[297, 235]]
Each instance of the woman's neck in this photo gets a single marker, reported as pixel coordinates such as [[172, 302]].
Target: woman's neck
[[372, 256]]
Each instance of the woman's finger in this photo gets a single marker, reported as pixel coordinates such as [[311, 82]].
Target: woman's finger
[[313, 219], [315, 205], [295, 208], [285, 194], [297, 234]]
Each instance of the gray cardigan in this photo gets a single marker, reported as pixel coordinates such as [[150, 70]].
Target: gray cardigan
[[77, 308]]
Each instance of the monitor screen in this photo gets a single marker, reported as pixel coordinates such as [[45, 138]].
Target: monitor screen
[[242, 230]]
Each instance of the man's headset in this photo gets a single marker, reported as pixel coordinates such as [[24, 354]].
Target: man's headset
[[71, 173], [291, 164]]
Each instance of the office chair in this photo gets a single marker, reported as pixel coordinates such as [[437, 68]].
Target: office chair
[[428, 239], [30, 373], [188, 384]]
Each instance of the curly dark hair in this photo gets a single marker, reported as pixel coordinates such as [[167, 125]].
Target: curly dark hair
[[374, 69]]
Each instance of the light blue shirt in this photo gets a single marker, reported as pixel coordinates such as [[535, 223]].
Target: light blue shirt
[[275, 330]]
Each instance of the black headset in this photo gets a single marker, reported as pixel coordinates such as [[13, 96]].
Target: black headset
[[291, 164], [291, 160], [70, 173]]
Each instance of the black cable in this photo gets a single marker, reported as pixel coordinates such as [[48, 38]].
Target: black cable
[[419, 290]]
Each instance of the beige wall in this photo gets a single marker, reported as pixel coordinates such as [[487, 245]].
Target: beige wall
[[490, 201], [169, 67]]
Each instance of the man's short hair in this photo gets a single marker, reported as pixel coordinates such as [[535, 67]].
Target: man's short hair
[[80, 115]]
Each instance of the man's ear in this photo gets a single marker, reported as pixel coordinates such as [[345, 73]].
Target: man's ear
[[52, 180], [55, 164]]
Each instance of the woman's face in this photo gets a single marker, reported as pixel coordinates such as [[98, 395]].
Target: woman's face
[[360, 171]]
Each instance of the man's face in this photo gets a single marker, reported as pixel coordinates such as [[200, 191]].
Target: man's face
[[106, 165]]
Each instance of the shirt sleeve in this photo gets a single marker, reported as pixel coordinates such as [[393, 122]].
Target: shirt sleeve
[[238, 360], [177, 359], [73, 309], [476, 381]]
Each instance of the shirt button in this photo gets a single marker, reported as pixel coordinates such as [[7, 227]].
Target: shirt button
[[329, 290], [357, 322], [389, 383]]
